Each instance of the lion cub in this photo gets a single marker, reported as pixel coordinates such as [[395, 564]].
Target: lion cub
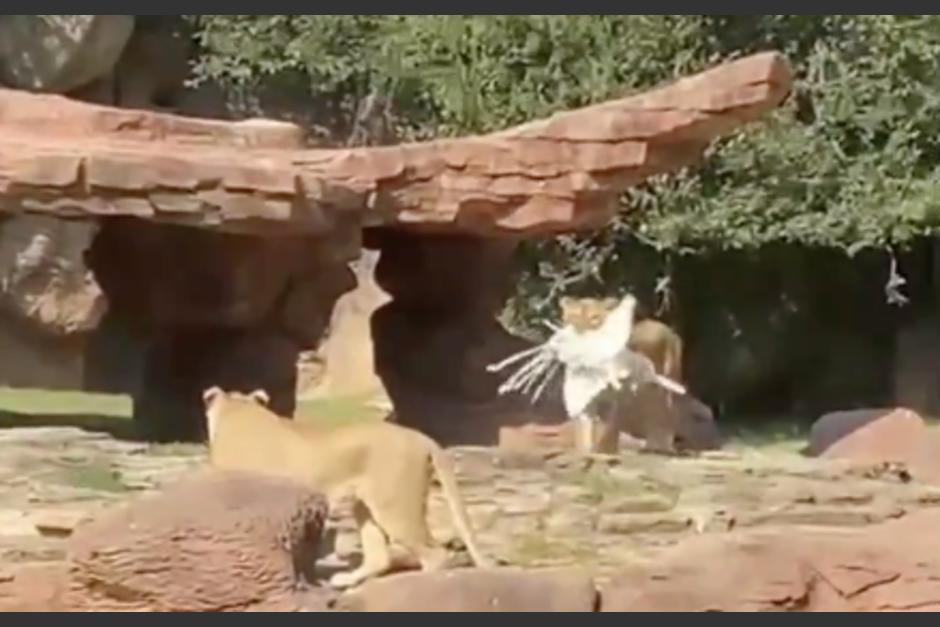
[[386, 467], [651, 412]]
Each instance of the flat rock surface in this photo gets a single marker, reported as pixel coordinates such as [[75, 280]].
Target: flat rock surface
[[530, 509]]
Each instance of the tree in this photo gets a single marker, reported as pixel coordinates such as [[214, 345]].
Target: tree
[[850, 162]]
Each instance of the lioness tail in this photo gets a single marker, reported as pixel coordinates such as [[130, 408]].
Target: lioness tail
[[445, 473]]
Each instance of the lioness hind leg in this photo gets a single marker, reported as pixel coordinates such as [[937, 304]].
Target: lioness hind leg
[[376, 558], [660, 422], [404, 519]]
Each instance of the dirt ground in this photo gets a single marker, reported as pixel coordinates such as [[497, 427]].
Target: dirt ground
[[65, 456]]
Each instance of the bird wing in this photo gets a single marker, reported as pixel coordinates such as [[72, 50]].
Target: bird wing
[[579, 388]]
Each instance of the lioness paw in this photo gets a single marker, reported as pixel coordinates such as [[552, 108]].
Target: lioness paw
[[345, 580]]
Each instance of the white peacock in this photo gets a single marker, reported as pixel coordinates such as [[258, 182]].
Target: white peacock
[[593, 360]]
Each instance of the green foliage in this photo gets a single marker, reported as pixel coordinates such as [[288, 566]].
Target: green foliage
[[851, 161], [451, 75]]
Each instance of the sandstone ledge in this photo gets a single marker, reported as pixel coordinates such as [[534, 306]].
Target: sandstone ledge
[[557, 174], [782, 570], [735, 530]]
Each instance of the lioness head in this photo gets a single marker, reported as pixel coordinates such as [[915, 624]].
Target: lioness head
[[215, 393], [586, 313], [218, 402]]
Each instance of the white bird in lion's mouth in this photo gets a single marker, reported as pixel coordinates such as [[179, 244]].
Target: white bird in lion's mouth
[[593, 359]]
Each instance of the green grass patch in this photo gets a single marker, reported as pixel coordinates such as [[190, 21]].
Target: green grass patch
[[94, 475], [779, 433], [535, 548], [56, 408], [600, 485], [56, 402], [111, 413], [338, 411], [176, 449], [34, 407]]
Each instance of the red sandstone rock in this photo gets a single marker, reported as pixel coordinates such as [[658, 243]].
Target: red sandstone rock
[[217, 542], [32, 588], [832, 427], [893, 566], [69, 158], [475, 591], [713, 573], [900, 436], [58, 522], [889, 567]]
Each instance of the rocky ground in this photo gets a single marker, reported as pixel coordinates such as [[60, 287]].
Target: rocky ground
[[531, 509]]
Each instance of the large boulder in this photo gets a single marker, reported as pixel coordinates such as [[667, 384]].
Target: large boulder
[[49, 301], [899, 437], [697, 429], [888, 567], [836, 425], [59, 53], [436, 336], [220, 541], [225, 309], [346, 352], [43, 276], [169, 275]]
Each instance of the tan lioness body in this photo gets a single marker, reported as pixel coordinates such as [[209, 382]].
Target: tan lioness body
[[386, 467], [651, 412]]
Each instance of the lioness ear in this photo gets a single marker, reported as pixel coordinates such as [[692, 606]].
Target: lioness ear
[[565, 302], [211, 394], [260, 396]]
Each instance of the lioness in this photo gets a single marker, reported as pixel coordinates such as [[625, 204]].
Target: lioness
[[651, 412], [386, 467]]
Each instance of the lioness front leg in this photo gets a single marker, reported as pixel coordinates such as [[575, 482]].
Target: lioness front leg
[[595, 437], [585, 438], [376, 558]]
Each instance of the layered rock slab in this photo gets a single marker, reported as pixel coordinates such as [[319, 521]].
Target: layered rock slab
[[556, 174], [887, 567], [472, 590]]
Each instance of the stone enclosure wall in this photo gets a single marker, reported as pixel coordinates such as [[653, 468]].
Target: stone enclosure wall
[[136, 300]]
